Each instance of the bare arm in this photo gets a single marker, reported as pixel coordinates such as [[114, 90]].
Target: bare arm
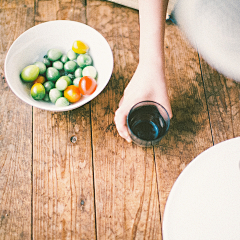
[[148, 82], [152, 15]]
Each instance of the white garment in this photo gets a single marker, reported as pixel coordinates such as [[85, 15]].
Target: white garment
[[134, 4], [213, 28]]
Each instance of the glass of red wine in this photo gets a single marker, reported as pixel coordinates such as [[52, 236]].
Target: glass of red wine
[[147, 123]]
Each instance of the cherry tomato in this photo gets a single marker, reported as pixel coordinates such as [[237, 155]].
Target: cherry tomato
[[38, 91], [72, 93], [40, 79], [79, 47], [52, 74], [87, 85], [30, 73]]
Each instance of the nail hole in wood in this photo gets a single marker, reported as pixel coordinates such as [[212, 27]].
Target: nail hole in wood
[[73, 139]]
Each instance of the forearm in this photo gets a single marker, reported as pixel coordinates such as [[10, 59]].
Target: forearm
[[148, 81], [152, 16]]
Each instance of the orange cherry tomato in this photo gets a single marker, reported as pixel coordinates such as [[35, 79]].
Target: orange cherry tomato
[[40, 79], [87, 85], [72, 93]]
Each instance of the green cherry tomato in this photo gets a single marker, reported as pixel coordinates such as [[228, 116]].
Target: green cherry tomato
[[54, 54], [78, 72], [70, 66], [90, 71], [48, 85], [76, 81], [62, 102], [71, 76], [67, 79], [42, 67], [58, 65], [46, 62], [84, 60], [30, 73], [61, 84], [38, 91], [54, 94], [72, 55], [64, 58], [46, 98], [52, 74]]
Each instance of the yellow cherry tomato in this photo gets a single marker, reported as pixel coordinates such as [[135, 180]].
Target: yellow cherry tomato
[[80, 47], [38, 91]]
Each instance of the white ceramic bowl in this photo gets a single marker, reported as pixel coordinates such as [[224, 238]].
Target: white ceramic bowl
[[33, 44]]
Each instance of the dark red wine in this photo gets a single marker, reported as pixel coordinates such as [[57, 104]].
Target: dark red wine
[[147, 123], [146, 130]]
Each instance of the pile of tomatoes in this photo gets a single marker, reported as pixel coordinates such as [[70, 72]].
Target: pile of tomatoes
[[62, 78]]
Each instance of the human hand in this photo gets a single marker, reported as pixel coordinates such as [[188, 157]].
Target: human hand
[[147, 83]]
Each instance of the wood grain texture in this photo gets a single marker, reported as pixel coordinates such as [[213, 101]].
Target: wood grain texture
[[46, 10], [190, 131], [15, 136], [63, 198], [222, 96], [127, 205], [63, 195], [14, 4]]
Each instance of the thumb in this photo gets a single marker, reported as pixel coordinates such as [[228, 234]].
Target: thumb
[[121, 120]]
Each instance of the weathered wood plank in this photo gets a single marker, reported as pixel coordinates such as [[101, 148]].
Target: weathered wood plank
[[13, 23], [63, 195], [223, 100], [127, 205], [15, 136], [8, 4], [190, 132], [63, 198], [59, 10]]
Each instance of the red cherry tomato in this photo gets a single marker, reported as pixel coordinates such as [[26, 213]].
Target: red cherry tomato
[[72, 93], [87, 85]]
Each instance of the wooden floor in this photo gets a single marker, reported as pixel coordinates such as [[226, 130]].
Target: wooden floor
[[69, 175]]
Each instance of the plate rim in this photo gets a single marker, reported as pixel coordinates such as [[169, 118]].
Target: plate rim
[[182, 175]]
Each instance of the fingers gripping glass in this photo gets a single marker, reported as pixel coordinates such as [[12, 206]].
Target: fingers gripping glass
[[147, 123]]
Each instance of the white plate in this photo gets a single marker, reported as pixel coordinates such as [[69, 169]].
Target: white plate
[[204, 203], [33, 44]]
